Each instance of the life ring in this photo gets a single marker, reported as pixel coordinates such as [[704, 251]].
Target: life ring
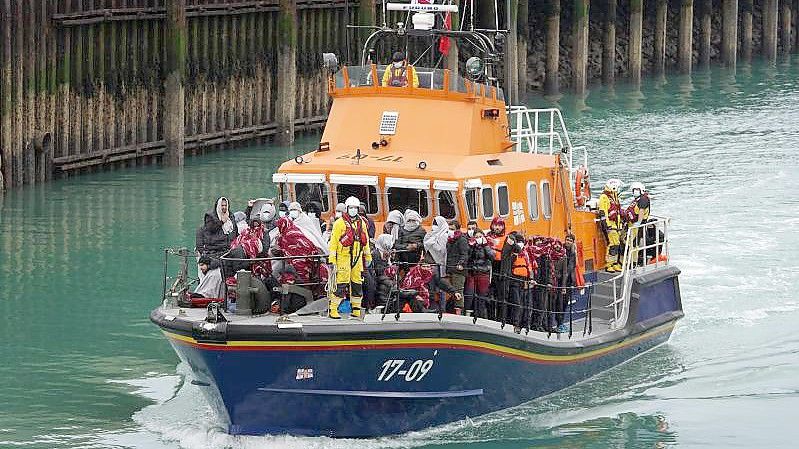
[[582, 187]]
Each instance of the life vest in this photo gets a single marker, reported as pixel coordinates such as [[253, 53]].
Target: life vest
[[353, 232], [399, 76], [613, 213], [521, 268], [497, 243]]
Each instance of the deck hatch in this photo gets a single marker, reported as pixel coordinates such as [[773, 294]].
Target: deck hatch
[[388, 123]]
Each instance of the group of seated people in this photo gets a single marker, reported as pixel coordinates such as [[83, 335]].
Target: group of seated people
[[523, 280]]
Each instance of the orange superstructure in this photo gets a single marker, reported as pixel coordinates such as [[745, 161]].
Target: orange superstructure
[[447, 147]]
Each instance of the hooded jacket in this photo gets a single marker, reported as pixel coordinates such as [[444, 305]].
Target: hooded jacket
[[211, 237]]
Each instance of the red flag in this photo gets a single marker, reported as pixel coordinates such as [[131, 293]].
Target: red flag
[[444, 43]]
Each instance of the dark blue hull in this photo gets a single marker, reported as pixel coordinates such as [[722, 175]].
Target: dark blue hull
[[379, 379]]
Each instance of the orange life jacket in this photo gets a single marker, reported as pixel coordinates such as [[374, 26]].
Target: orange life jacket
[[521, 268], [497, 243]]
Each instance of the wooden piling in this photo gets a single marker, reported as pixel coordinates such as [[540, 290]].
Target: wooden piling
[[705, 30], [685, 47], [729, 41], [636, 35], [367, 16], [5, 91], [551, 80], [746, 30], [785, 27], [659, 56], [523, 24], [609, 43], [511, 59], [175, 73], [770, 29], [286, 71], [580, 46]]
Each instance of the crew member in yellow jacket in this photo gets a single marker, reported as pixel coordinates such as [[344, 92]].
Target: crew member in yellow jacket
[[610, 220], [350, 253]]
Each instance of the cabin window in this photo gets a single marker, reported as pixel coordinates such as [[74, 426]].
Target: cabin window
[[367, 195], [503, 202], [305, 193], [532, 200], [401, 198], [448, 205], [471, 204], [488, 202], [546, 199]]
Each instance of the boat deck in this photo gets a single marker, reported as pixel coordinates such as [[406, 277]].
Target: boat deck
[[599, 326]]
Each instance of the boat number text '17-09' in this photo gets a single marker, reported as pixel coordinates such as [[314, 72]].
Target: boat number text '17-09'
[[416, 371]]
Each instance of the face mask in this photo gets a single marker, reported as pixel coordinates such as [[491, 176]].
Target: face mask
[[481, 240], [294, 214], [470, 232], [636, 193], [312, 214], [520, 245], [398, 64], [338, 214], [451, 233], [282, 213], [352, 211]]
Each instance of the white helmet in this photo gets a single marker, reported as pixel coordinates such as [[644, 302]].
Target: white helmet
[[352, 202], [613, 185], [637, 186]]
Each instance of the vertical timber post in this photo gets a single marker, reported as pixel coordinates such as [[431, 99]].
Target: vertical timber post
[[729, 41], [746, 30], [636, 33], [5, 90], [511, 54], [660, 36], [770, 29], [367, 16], [551, 82], [609, 43], [286, 71], [580, 46], [785, 18], [523, 24], [686, 36], [174, 88], [705, 24]]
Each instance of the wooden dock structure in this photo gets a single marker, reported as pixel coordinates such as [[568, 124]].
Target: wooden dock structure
[[102, 84]]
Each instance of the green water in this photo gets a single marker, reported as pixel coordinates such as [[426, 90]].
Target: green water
[[81, 261]]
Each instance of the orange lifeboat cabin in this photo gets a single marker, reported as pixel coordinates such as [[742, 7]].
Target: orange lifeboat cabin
[[448, 147]]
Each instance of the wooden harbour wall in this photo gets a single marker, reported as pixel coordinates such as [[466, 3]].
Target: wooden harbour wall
[[97, 84]]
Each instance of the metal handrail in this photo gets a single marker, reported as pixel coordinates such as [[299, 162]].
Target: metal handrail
[[632, 252], [525, 131]]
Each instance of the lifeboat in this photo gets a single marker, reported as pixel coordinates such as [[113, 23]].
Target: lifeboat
[[453, 146]]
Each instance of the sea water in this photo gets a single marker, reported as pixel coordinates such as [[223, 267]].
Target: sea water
[[81, 267]]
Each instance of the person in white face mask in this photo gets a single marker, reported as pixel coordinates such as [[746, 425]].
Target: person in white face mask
[[399, 72], [478, 281]]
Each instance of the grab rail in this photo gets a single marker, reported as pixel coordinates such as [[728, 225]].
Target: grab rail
[[543, 131], [642, 239]]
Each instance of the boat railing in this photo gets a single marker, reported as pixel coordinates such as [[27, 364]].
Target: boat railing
[[543, 131], [646, 249]]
